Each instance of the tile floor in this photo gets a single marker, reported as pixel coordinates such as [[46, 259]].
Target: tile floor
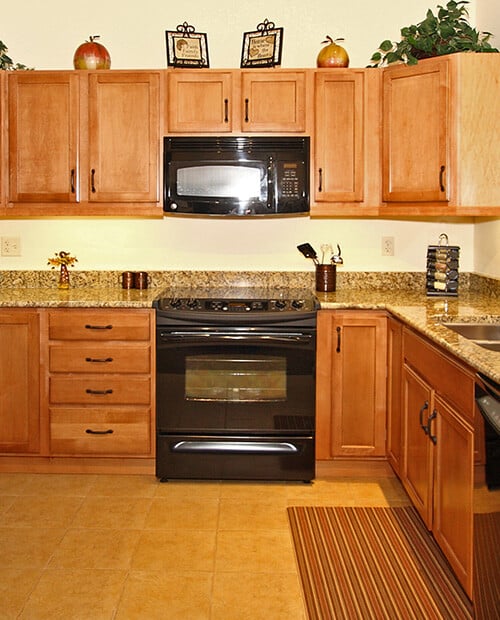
[[118, 547]]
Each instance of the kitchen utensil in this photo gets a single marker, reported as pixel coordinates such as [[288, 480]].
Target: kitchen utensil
[[337, 258], [326, 248], [308, 251]]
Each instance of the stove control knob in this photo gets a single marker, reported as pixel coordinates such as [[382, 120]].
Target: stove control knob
[[280, 304], [192, 304], [176, 303], [298, 304]]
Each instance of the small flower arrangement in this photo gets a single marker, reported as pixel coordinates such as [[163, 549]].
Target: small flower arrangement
[[63, 260]]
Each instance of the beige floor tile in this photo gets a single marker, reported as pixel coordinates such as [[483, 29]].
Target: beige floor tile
[[241, 596], [255, 552], [51, 511], [175, 550], [27, 547], [98, 549], [253, 515], [164, 595], [15, 587], [59, 484], [75, 595], [261, 491], [124, 485], [191, 513], [320, 493], [13, 484], [181, 489], [113, 513]]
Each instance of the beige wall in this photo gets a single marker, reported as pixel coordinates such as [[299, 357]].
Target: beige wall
[[45, 35]]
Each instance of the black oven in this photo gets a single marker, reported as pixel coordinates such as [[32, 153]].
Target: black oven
[[236, 388]]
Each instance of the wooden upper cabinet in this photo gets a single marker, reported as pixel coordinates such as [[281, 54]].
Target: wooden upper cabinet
[[346, 164], [273, 101], [206, 101], [43, 136], [3, 139], [123, 137], [199, 101], [81, 142], [440, 127]]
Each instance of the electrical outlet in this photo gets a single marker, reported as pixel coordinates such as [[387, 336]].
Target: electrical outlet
[[11, 246], [387, 246]]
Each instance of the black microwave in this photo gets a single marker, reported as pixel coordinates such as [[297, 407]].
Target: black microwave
[[236, 175]]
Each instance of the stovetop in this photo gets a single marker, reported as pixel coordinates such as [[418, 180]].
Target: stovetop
[[236, 300]]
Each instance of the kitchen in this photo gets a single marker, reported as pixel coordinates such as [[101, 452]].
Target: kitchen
[[180, 244]]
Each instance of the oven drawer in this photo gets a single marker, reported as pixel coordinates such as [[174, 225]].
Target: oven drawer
[[228, 457], [99, 325], [99, 389], [100, 357], [100, 431]]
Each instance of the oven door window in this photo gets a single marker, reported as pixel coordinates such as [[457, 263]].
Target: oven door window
[[235, 378]]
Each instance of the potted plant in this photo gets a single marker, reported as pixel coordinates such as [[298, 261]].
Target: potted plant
[[447, 32], [6, 63]]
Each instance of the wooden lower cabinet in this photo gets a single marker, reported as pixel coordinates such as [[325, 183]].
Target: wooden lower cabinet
[[438, 449], [394, 374], [100, 382], [19, 381], [350, 388]]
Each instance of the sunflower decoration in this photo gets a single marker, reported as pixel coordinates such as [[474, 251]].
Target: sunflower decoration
[[63, 260]]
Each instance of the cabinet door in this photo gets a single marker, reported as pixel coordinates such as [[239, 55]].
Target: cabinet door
[[418, 469], [416, 133], [43, 136], [453, 489], [123, 137], [339, 105], [3, 138], [200, 101], [19, 381], [351, 395], [394, 372], [273, 102]]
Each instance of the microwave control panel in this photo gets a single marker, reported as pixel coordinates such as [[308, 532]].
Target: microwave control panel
[[290, 179]]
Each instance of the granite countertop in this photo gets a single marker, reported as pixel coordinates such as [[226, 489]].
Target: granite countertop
[[425, 314]]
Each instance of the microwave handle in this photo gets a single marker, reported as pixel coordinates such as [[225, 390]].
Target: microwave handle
[[270, 183]]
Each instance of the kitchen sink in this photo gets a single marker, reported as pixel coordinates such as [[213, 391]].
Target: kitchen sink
[[486, 335]]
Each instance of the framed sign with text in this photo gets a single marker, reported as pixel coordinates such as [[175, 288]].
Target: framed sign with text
[[186, 48], [262, 48]]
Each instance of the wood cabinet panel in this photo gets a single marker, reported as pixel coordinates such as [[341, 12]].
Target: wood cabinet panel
[[3, 139], [350, 384], [105, 357], [99, 325], [394, 393], [80, 431], [19, 381]]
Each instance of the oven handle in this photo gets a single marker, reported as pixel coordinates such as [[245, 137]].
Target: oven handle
[[248, 337], [235, 447]]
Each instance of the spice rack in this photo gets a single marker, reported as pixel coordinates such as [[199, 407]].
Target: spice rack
[[442, 268]]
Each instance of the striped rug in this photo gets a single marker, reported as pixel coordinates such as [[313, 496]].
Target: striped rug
[[373, 563]]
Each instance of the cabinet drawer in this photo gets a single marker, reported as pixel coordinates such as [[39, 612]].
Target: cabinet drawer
[[99, 325], [97, 390], [449, 379], [105, 357], [100, 431]]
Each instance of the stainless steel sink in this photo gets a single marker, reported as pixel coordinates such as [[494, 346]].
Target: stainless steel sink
[[486, 335]]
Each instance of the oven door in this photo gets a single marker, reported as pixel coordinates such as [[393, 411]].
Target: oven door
[[235, 381]]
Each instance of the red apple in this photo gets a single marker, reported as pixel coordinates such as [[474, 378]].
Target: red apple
[[332, 55], [91, 55]]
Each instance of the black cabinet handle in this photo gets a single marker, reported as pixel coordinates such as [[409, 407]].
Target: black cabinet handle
[[98, 392], [246, 110], [92, 181], [338, 339], [441, 178], [320, 186], [98, 326], [96, 360], [432, 437], [72, 180], [423, 426], [89, 431], [226, 110]]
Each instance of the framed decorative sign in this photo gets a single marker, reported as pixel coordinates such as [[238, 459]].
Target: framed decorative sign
[[186, 48], [262, 48]]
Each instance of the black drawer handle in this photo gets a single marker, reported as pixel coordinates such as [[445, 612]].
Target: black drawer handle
[[99, 392], [89, 431], [98, 327], [246, 111], [226, 110], [92, 181], [339, 332], [320, 185], [99, 361]]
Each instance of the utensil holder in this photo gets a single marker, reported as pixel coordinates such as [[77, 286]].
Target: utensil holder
[[326, 278]]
